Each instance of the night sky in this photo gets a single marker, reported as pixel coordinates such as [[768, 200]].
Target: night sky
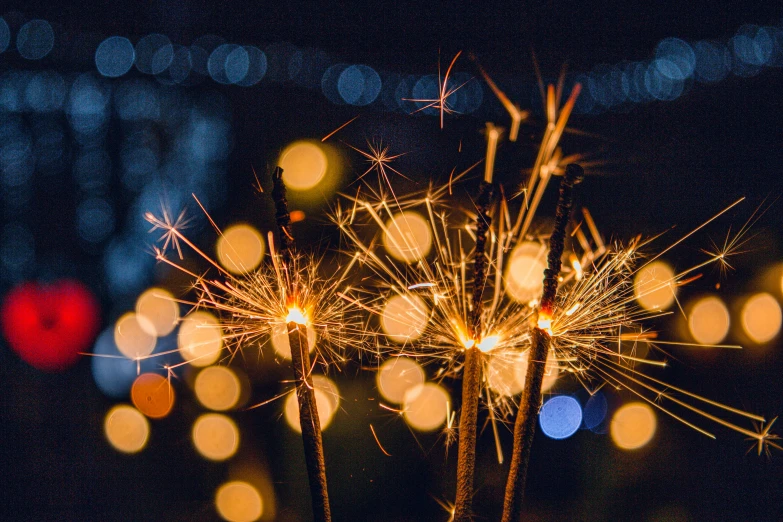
[[662, 165]]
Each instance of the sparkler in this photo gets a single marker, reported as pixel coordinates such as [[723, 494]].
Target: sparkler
[[289, 294], [525, 425], [470, 321]]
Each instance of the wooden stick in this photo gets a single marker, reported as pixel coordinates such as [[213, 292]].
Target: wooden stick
[[471, 371], [525, 425], [300, 361]]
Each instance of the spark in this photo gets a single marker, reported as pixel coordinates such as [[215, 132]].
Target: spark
[[338, 129], [764, 439], [445, 91], [375, 435]]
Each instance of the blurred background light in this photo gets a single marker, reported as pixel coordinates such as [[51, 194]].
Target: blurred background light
[[396, 376], [329, 82], [633, 425], [281, 344], [678, 53], [126, 429], [404, 318], [94, 220], [132, 337], [761, 318], [45, 92], [256, 67], [16, 160], [200, 338], [127, 267], [560, 417], [223, 64], [153, 53], [153, 395], [525, 274], [136, 100], [215, 436], [712, 61], [359, 85], [407, 237], [327, 401], [304, 165], [237, 64], [35, 39], [217, 388], [238, 501], [654, 286], [5, 35], [502, 372], [114, 56], [595, 411], [425, 406], [160, 310], [17, 247], [114, 373], [709, 321], [87, 105], [92, 169], [240, 248]]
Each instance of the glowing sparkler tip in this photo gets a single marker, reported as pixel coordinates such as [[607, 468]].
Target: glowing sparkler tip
[[488, 343], [545, 322], [296, 315]]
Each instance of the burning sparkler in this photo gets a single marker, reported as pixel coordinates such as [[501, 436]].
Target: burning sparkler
[[287, 293]]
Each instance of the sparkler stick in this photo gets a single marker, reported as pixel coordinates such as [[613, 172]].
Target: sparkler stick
[[525, 425], [300, 361], [471, 373]]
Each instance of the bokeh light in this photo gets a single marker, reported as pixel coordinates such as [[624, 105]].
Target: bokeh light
[[525, 274], [153, 395], [94, 220], [132, 336], [396, 376], [217, 388], [407, 237], [114, 56], [159, 309], [5, 35], [304, 165], [654, 286], [709, 320], [35, 39], [154, 53], [327, 401], [238, 501], [633, 425], [560, 417], [404, 318], [761, 318], [215, 436], [240, 248], [502, 372], [359, 85], [114, 373], [282, 345], [126, 429], [425, 406], [595, 411], [200, 338]]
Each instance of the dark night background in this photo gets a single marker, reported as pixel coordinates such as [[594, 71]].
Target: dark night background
[[664, 163]]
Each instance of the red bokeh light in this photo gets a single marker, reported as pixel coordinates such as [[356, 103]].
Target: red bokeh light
[[48, 325]]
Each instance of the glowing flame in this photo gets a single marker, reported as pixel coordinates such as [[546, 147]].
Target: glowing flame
[[545, 323], [296, 315], [488, 343]]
